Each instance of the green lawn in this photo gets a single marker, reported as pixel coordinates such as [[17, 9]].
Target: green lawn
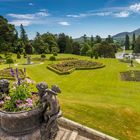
[[96, 98]]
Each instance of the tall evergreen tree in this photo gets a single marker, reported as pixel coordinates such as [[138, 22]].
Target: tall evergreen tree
[[127, 42], [133, 41], [109, 39], [23, 35], [92, 40], [98, 39], [85, 38], [7, 35], [137, 45]]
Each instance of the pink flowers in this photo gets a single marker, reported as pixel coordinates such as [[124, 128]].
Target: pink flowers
[[1, 103], [24, 104]]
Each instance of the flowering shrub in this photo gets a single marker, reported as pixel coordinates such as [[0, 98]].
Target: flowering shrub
[[20, 97]]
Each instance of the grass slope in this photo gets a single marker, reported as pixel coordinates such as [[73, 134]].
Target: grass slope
[[96, 98]]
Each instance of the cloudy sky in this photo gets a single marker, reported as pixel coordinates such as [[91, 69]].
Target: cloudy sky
[[73, 17]]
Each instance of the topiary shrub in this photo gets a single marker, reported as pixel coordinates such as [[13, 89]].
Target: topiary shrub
[[55, 54], [9, 61], [18, 55], [52, 58], [43, 56]]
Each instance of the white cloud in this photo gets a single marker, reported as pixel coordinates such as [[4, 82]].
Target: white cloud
[[122, 14], [135, 7], [30, 4], [19, 22], [43, 10], [29, 16], [90, 14], [64, 23], [22, 16], [102, 14], [119, 12], [27, 19]]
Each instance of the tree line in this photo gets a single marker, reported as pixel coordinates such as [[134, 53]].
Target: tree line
[[12, 41], [132, 45]]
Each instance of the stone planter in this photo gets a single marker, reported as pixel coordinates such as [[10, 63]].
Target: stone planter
[[20, 122]]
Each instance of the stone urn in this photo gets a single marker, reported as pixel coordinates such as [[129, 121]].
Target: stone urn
[[20, 123]]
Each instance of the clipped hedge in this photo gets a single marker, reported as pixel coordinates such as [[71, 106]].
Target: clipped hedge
[[68, 69], [59, 72]]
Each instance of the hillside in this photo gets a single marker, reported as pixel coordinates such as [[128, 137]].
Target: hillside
[[121, 36]]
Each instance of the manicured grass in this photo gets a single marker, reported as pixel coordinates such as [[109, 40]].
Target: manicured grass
[[96, 98]]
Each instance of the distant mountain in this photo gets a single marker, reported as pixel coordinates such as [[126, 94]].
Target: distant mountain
[[118, 37], [121, 36], [80, 39]]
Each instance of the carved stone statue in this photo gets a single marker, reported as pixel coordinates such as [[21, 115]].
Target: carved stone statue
[[4, 88], [51, 110], [28, 60]]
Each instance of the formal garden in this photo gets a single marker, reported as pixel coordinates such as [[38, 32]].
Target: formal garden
[[99, 96], [98, 90]]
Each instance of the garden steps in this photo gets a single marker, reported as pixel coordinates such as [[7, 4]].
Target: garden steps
[[65, 134], [68, 130]]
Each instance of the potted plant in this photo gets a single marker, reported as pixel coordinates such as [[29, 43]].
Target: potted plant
[[22, 110]]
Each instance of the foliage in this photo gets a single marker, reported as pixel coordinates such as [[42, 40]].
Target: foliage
[[43, 55], [18, 55], [55, 50], [52, 58], [9, 61], [64, 43], [20, 98], [7, 35], [137, 45], [23, 35], [76, 48], [90, 53], [22, 92], [8, 55], [127, 42], [24, 54], [85, 47], [98, 39], [40, 46], [105, 50], [109, 39], [133, 41]]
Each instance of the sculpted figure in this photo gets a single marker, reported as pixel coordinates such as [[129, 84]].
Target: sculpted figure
[[4, 87], [51, 110]]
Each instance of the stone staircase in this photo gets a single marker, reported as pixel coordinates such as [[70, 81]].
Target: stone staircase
[[68, 130], [65, 134]]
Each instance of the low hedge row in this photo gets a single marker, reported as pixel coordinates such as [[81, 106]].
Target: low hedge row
[[59, 72], [73, 69]]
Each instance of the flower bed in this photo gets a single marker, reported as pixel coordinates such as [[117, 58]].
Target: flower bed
[[68, 67], [133, 75], [125, 60], [6, 73], [68, 58]]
